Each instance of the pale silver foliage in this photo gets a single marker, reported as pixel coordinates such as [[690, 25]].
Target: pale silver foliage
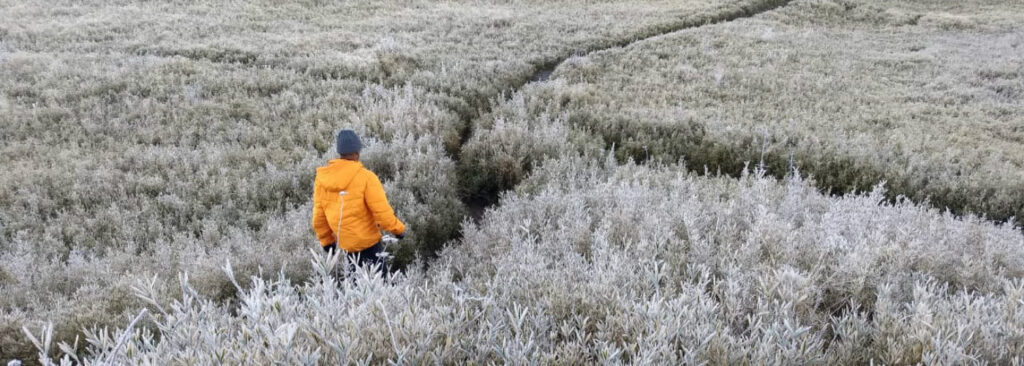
[[596, 263]]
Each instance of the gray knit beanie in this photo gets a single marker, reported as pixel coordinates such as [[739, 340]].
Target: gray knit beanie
[[348, 142]]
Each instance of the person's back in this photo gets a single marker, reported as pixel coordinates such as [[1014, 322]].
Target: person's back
[[350, 207]]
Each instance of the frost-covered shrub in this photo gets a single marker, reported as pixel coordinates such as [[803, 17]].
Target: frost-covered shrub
[[507, 143], [88, 290], [593, 262], [389, 113]]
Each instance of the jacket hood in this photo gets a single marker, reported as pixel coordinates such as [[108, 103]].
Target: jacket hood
[[338, 174]]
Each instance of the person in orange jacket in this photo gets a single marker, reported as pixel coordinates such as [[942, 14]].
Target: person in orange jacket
[[350, 207]]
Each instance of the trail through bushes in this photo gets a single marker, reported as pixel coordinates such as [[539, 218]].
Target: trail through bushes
[[493, 164]]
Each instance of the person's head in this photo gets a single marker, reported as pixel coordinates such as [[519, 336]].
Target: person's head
[[348, 145]]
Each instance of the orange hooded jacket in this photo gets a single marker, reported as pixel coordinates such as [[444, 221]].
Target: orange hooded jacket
[[350, 207]]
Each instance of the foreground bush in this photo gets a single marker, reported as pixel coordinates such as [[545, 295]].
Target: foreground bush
[[591, 262]]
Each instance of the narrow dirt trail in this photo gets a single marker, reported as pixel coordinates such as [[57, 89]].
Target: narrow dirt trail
[[478, 205]]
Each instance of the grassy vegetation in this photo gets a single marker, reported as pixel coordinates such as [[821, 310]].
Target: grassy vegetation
[[923, 95]]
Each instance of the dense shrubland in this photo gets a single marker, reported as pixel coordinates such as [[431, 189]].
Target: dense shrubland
[[145, 138], [924, 95], [590, 262]]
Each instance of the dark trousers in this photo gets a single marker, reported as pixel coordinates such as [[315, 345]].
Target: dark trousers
[[367, 257]]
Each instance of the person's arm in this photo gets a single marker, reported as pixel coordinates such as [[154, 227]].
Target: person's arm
[[320, 225], [383, 214]]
